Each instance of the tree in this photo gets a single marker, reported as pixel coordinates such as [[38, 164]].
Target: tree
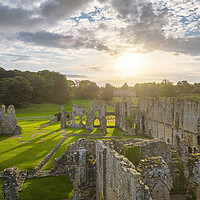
[[86, 89], [107, 93], [184, 87], [16, 91], [58, 89], [167, 89]]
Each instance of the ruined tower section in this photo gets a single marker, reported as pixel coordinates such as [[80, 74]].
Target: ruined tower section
[[171, 119], [97, 106], [123, 110], [79, 112], [8, 121]]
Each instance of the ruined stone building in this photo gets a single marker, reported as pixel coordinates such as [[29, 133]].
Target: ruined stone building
[[171, 119], [98, 111], [8, 121], [154, 169]]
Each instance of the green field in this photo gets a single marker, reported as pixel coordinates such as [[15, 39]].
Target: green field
[[48, 188], [49, 109]]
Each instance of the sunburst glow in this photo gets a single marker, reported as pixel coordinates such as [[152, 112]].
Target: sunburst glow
[[130, 64]]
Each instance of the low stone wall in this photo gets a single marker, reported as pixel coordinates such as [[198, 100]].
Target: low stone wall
[[52, 152], [116, 176], [53, 120]]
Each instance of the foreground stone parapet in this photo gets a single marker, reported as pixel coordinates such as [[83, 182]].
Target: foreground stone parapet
[[8, 121], [13, 180]]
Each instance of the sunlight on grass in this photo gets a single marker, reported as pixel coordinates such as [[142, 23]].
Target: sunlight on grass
[[60, 151], [26, 151]]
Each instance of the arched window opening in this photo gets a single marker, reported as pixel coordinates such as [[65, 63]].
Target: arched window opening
[[77, 120], [97, 122], [110, 120], [97, 113], [84, 119]]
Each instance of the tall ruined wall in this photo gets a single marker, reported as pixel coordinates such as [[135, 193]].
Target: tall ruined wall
[[100, 107], [116, 177], [171, 119], [8, 121], [123, 110], [80, 164]]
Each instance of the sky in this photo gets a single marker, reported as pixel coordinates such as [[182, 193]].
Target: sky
[[105, 41]]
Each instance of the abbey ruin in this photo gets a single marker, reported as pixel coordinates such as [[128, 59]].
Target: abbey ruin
[[157, 168], [8, 121]]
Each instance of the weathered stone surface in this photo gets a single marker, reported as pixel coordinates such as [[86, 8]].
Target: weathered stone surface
[[8, 121], [171, 119], [123, 110], [79, 162], [116, 178], [156, 175], [13, 180]]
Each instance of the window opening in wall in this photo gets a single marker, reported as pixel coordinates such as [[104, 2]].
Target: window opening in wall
[[84, 119], [189, 150], [110, 120], [77, 120], [97, 113], [97, 122]]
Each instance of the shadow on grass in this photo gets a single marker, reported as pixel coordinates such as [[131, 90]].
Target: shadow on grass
[[48, 188], [30, 154]]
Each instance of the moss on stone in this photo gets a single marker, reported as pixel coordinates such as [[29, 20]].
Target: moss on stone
[[134, 154]]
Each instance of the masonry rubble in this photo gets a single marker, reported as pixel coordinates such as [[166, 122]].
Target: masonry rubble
[[8, 121], [13, 181]]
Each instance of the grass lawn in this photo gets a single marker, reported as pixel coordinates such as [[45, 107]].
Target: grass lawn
[[29, 149], [48, 188], [60, 151], [3, 137], [1, 185], [49, 109]]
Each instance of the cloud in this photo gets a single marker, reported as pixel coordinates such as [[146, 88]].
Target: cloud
[[16, 57], [56, 10], [75, 76], [17, 19], [47, 39]]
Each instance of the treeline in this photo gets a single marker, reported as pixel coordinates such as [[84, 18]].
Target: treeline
[[21, 88], [166, 89]]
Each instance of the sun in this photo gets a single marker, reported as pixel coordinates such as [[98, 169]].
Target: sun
[[130, 63]]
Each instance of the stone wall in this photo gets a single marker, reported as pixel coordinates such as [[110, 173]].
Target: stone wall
[[123, 110], [116, 176], [79, 162], [156, 175], [100, 107], [171, 119], [13, 180], [8, 121]]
